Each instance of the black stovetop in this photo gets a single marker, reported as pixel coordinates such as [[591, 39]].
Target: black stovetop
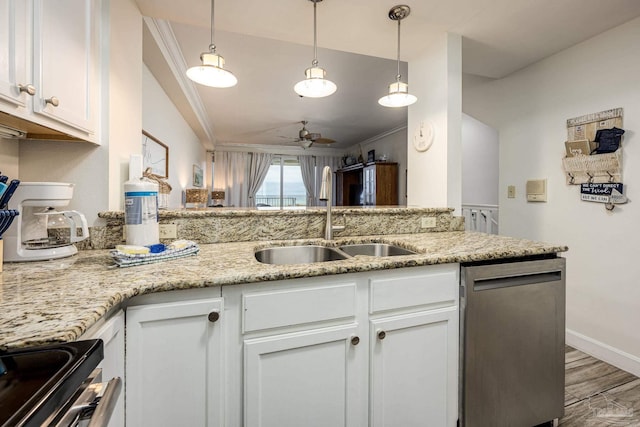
[[35, 382]]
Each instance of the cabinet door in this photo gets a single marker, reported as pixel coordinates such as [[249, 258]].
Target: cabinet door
[[174, 364], [112, 335], [64, 36], [311, 378], [13, 51], [414, 363]]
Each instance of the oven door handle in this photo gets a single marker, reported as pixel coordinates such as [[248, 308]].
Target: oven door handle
[[102, 414]]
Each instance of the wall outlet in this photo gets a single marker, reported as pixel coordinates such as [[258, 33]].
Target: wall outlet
[[428, 222], [511, 192], [168, 231]]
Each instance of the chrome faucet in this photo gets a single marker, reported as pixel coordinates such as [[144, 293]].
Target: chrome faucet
[[325, 194]]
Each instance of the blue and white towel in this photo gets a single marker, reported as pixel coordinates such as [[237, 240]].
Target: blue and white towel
[[177, 249]]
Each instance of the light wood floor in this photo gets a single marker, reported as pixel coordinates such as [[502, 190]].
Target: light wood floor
[[598, 394]]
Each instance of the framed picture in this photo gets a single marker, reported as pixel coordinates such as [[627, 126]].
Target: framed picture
[[371, 156], [155, 155], [197, 176]]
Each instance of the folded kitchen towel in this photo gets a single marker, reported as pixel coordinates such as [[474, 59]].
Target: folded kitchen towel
[[177, 249]]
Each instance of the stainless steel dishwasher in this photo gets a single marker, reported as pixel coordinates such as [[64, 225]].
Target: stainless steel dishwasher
[[512, 320]]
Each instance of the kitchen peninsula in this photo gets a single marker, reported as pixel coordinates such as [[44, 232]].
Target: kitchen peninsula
[[59, 301]]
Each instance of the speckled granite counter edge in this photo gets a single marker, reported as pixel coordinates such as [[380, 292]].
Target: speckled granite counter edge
[[56, 301]]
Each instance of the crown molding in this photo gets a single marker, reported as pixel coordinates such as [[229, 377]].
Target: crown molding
[[166, 40]]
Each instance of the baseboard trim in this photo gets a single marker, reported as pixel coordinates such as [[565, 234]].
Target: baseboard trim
[[604, 352]]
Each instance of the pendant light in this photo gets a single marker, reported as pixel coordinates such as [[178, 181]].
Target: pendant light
[[212, 72], [315, 85], [399, 95]]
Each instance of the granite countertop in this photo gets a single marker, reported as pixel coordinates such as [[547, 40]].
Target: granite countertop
[[58, 300]]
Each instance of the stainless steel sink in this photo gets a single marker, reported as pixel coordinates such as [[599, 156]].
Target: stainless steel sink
[[298, 254], [375, 249]]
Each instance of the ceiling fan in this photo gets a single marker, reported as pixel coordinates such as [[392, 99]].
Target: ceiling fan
[[309, 138]]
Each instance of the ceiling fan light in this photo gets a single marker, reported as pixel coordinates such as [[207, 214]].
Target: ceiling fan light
[[211, 72], [398, 96], [315, 85]]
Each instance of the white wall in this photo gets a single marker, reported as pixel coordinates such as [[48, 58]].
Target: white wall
[[530, 108], [80, 163], [161, 119], [9, 152], [124, 95], [436, 79], [479, 162]]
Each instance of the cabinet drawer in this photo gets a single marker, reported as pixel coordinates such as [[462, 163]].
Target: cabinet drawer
[[413, 291], [276, 309]]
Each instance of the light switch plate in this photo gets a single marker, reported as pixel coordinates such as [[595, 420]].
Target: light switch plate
[[511, 192], [168, 231]]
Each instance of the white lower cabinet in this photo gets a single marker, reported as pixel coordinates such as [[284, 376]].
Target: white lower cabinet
[[354, 350], [174, 364], [364, 349], [413, 365], [414, 347], [303, 379]]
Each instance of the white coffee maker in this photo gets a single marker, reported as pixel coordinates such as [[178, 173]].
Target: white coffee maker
[[41, 232]]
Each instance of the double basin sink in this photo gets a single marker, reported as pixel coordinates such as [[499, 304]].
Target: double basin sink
[[316, 253]]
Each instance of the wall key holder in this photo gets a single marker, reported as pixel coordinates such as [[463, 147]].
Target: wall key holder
[[599, 175]]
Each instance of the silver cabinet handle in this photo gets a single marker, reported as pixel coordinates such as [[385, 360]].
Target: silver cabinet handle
[[381, 334], [28, 89], [53, 101], [355, 340], [213, 316]]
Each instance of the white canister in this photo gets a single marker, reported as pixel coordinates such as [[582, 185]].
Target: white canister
[[141, 212]]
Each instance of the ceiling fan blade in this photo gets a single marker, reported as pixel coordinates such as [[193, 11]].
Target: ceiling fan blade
[[324, 141], [290, 138]]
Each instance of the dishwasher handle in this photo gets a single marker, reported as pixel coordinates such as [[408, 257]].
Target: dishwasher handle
[[485, 284]]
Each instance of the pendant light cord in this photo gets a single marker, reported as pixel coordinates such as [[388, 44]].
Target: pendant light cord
[[398, 76], [315, 36], [212, 46]]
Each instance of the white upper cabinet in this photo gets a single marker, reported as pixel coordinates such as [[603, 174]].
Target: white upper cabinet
[[50, 65], [13, 52], [63, 65]]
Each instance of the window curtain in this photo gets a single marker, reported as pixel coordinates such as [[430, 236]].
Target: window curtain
[[321, 162], [308, 169], [258, 168], [231, 176]]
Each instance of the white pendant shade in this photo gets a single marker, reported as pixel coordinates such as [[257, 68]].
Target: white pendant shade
[[398, 96], [315, 85], [211, 72]]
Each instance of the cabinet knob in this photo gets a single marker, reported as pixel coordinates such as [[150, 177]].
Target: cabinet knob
[[213, 316], [53, 101], [381, 334], [28, 89], [355, 340]]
